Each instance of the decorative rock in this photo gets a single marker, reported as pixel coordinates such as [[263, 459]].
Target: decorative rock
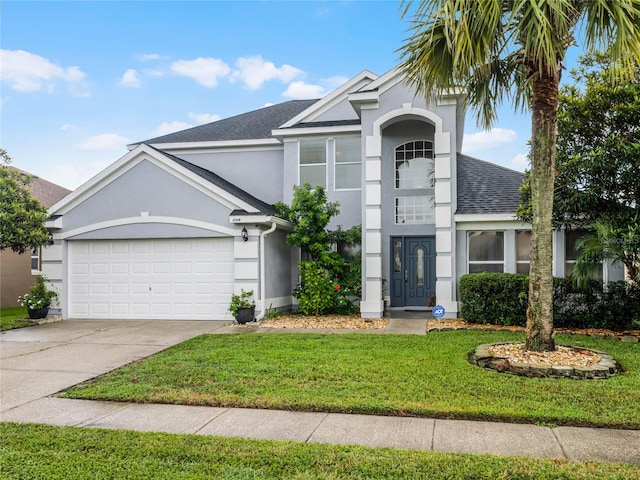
[[630, 339], [606, 367]]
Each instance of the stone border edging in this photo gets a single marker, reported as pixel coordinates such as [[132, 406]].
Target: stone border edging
[[607, 367]]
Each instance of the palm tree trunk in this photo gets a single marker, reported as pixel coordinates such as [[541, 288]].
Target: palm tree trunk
[[544, 103]]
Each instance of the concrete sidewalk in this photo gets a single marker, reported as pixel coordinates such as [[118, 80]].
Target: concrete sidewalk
[[39, 361]]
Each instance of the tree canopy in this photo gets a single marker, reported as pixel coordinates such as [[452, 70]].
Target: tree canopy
[[22, 217]]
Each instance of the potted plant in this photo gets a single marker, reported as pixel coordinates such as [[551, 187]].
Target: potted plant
[[38, 299], [242, 307]]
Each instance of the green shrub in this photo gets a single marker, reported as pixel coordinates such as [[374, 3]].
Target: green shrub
[[318, 294], [501, 299], [495, 298]]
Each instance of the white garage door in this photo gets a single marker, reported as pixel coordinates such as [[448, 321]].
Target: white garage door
[[190, 279]]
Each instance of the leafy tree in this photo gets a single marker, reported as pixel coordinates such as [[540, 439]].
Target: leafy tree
[[597, 185], [513, 50], [22, 217], [327, 281]]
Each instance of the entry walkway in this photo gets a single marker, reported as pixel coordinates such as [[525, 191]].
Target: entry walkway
[[37, 362]]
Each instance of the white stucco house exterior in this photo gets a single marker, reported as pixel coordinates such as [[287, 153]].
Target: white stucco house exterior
[[159, 233]]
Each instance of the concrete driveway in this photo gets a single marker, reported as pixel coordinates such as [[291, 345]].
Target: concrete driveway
[[39, 361]]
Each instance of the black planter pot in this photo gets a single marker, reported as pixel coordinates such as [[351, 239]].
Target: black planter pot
[[245, 315], [38, 313]]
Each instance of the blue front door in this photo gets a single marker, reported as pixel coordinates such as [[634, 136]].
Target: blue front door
[[413, 272]]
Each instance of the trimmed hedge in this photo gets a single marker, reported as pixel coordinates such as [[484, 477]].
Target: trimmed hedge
[[501, 299]]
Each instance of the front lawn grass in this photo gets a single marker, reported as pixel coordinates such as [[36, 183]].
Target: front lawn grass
[[13, 317], [67, 453], [404, 375]]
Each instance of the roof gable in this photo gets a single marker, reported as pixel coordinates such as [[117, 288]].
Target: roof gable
[[485, 187], [204, 180]]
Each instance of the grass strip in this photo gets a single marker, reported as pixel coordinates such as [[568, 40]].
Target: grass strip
[[401, 375], [39, 451], [13, 317]]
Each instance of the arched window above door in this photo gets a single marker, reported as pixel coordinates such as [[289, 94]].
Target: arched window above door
[[414, 165]]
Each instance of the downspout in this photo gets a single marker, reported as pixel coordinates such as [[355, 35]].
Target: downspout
[[263, 273]]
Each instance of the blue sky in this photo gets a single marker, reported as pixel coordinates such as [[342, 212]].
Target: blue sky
[[81, 80]]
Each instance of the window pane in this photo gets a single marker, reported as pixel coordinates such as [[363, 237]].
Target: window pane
[[486, 246], [348, 149], [415, 165], [571, 239], [522, 268], [348, 176], [486, 267], [315, 175], [523, 245], [420, 266], [313, 151], [415, 210], [397, 260]]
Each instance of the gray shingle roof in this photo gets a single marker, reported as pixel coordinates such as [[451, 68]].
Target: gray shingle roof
[[253, 125], [45, 191], [485, 187], [217, 180]]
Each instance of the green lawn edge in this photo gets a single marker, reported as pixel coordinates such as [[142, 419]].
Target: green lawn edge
[[51, 452], [13, 317], [397, 375]]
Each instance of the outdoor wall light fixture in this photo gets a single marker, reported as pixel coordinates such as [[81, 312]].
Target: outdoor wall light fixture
[[245, 234]]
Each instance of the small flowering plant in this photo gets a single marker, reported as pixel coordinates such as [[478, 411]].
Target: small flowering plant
[[39, 295]]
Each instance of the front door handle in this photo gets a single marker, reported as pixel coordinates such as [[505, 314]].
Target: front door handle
[[406, 276]]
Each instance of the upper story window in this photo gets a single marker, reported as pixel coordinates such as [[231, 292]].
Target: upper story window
[[348, 163], [414, 165], [313, 162], [486, 252]]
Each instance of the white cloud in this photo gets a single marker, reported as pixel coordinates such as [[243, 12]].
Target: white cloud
[[145, 57], [67, 126], [73, 174], [105, 141], [520, 161], [254, 71], [301, 90], [205, 71], [204, 117], [130, 79], [28, 72], [169, 127], [487, 139]]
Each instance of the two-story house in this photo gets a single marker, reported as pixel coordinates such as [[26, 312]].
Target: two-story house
[[179, 223]]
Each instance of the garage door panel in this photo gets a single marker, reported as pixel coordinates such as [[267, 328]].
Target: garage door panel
[[147, 279]]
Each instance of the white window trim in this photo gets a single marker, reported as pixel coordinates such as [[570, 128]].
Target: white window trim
[[326, 163], [486, 262]]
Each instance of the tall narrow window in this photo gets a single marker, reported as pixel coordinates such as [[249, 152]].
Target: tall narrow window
[[414, 165], [486, 252], [35, 260], [313, 162], [420, 266], [348, 163], [397, 256], [523, 251]]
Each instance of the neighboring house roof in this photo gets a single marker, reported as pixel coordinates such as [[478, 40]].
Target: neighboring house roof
[[44, 191], [484, 187], [253, 125], [217, 180]]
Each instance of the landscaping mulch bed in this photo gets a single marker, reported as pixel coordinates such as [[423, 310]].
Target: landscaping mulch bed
[[339, 322]]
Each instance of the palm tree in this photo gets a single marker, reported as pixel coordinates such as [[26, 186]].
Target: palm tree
[[513, 50]]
